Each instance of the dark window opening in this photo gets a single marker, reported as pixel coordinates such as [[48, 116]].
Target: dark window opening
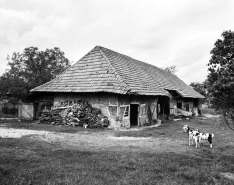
[[196, 102], [163, 106], [179, 105]]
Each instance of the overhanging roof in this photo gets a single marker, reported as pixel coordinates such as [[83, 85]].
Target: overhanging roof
[[104, 70]]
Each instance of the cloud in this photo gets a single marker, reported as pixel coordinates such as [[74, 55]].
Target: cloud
[[15, 25], [162, 33]]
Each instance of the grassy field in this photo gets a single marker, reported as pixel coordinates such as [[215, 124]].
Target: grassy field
[[165, 158]]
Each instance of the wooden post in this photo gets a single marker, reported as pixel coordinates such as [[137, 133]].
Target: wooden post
[[163, 110]]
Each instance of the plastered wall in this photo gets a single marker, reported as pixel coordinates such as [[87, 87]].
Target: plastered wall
[[116, 107]]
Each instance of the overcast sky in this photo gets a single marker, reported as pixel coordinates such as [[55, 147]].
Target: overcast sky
[[162, 33]]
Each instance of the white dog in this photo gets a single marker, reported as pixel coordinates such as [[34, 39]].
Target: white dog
[[193, 135], [198, 136]]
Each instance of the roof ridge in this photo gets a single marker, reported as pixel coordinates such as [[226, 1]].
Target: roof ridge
[[160, 71], [150, 65], [135, 60], [130, 57], [115, 71]]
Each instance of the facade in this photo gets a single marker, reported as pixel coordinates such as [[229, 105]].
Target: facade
[[129, 92], [121, 110]]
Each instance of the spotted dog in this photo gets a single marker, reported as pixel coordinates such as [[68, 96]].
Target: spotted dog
[[193, 135], [206, 136]]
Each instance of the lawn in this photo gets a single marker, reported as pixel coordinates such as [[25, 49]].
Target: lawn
[[164, 157]]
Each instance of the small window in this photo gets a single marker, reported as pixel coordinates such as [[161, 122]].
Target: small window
[[46, 108], [126, 112]]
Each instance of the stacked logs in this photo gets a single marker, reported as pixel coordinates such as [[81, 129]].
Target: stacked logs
[[50, 117], [78, 113]]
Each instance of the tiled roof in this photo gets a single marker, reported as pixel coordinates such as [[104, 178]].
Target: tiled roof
[[104, 70]]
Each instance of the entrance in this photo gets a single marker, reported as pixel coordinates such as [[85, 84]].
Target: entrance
[[179, 105], [134, 114]]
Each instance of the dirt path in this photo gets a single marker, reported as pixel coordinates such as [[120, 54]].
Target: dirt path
[[100, 141], [168, 137], [18, 133]]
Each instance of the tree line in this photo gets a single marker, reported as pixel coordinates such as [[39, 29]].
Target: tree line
[[30, 69]]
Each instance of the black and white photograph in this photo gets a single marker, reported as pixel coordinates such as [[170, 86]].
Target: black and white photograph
[[116, 92]]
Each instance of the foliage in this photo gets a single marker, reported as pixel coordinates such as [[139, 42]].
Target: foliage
[[220, 80], [171, 69], [11, 110], [31, 68], [199, 87]]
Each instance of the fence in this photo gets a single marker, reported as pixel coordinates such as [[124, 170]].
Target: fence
[[21, 111], [26, 111]]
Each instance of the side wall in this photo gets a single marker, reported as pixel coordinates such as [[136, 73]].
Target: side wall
[[188, 104], [116, 107]]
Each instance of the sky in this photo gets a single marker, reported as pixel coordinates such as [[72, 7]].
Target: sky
[[159, 32]]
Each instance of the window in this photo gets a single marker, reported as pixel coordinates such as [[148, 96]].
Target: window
[[46, 106], [186, 106], [126, 112]]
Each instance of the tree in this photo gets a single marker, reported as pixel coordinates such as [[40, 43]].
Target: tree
[[10, 85], [171, 69], [199, 87], [32, 68], [220, 80]]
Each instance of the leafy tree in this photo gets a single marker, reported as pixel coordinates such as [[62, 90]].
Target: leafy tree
[[171, 69], [32, 68], [220, 80], [10, 85], [199, 87]]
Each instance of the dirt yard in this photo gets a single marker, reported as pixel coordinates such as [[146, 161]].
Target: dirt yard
[[34, 153], [106, 140], [167, 137]]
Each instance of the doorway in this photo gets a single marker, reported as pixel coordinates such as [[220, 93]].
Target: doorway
[[179, 105], [134, 114], [187, 107]]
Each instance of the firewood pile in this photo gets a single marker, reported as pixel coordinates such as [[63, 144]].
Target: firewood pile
[[78, 113]]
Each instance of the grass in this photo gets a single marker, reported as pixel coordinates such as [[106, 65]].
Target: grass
[[29, 161]]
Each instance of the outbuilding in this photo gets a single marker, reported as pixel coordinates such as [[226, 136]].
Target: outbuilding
[[128, 91]]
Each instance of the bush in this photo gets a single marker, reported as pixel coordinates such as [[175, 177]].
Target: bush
[[9, 111], [5, 110]]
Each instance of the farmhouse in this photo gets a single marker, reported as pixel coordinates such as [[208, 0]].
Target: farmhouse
[[129, 92]]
